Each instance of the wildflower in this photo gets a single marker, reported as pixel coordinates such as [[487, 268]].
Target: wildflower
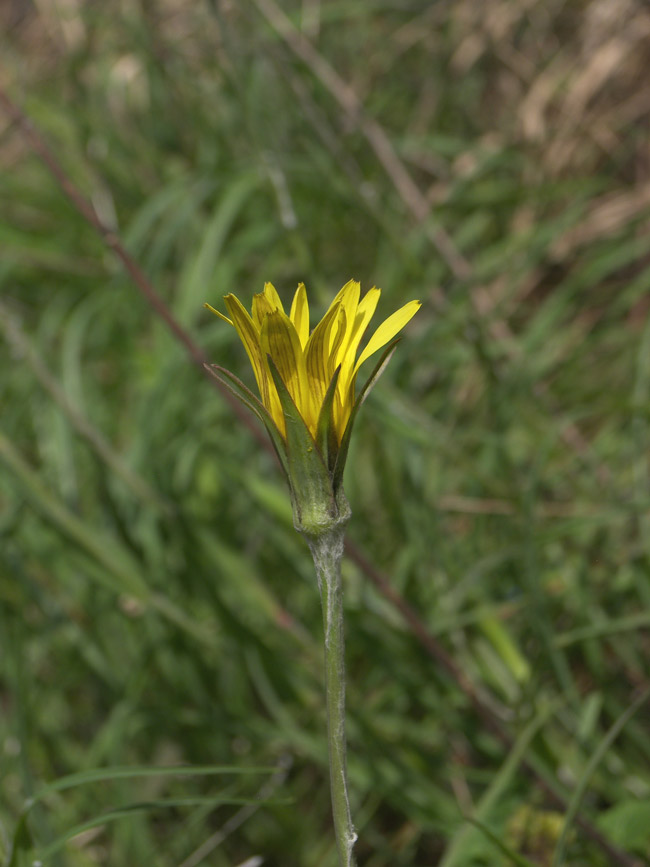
[[307, 386], [307, 381]]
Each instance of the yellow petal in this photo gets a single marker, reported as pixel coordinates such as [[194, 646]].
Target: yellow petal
[[388, 329], [365, 312], [317, 358], [220, 315], [249, 336], [368, 305], [345, 385], [338, 335], [300, 314], [261, 308], [280, 340], [273, 297], [349, 300], [341, 296]]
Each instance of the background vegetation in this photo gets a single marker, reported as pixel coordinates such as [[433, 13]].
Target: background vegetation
[[156, 605]]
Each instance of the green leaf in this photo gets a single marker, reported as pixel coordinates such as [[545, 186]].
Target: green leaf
[[237, 388], [22, 842], [147, 807], [310, 482], [627, 824], [325, 436], [363, 394], [121, 772]]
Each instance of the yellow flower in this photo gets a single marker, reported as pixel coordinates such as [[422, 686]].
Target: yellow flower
[[307, 362], [307, 388]]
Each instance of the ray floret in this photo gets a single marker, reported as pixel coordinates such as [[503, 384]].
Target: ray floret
[[307, 361]]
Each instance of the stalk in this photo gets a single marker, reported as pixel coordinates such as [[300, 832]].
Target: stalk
[[327, 551]]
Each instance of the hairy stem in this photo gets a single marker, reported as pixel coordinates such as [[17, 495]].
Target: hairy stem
[[327, 551]]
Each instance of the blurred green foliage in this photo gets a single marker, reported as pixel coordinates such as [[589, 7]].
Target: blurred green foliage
[[156, 605]]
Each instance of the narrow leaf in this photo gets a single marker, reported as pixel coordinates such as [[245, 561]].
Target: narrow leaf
[[146, 807], [21, 844], [236, 387], [121, 772]]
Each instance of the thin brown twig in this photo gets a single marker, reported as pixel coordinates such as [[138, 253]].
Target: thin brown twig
[[417, 626]]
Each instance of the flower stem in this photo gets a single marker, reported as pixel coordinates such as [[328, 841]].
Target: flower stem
[[327, 551]]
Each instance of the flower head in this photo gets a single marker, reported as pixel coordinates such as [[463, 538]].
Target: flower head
[[307, 380]]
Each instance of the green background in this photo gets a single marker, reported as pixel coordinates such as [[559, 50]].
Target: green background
[[156, 606]]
